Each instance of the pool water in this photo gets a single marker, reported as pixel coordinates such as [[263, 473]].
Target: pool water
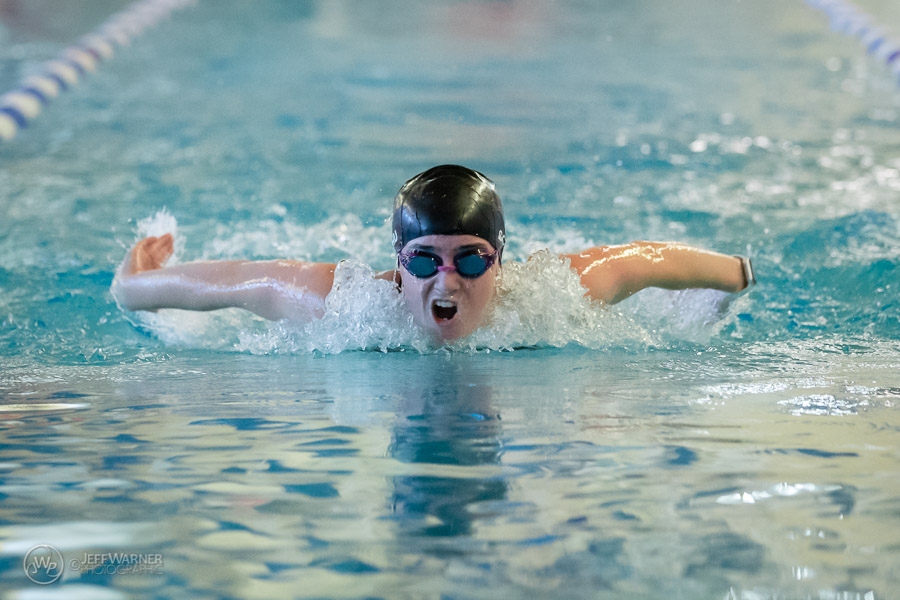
[[682, 445]]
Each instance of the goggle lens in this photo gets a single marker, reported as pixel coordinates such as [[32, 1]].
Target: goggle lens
[[472, 265], [469, 264], [422, 265]]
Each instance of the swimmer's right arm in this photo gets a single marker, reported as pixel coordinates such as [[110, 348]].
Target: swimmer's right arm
[[277, 289]]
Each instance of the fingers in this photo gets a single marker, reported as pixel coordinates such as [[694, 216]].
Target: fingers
[[152, 252], [164, 246]]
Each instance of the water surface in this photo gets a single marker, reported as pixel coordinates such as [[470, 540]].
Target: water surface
[[694, 450]]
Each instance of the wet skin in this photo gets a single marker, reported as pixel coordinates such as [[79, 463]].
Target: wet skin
[[447, 305]]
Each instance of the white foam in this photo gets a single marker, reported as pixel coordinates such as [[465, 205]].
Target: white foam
[[541, 302], [361, 313], [694, 315]]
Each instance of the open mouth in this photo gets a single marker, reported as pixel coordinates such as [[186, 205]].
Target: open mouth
[[443, 310]]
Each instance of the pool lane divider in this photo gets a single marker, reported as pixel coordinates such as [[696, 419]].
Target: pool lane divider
[[848, 19], [23, 104]]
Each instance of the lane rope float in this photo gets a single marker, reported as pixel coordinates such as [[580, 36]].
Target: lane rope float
[[24, 103], [847, 18]]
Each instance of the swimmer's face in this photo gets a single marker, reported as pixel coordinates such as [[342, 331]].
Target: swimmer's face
[[448, 305]]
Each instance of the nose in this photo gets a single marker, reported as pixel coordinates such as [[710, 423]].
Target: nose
[[447, 279]]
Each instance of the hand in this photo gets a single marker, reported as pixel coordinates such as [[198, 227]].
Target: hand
[[151, 253]]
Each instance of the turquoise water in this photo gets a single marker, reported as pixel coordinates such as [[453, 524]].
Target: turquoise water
[[684, 445]]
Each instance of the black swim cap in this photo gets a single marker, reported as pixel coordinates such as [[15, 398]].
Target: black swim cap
[[448, 200]]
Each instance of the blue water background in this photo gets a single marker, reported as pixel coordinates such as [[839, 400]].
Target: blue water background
[[756, 456]]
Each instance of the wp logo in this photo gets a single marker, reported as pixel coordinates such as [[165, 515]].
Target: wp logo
[[43, 564]]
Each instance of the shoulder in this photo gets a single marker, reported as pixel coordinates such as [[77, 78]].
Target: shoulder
[[600, 269], [387, 275]]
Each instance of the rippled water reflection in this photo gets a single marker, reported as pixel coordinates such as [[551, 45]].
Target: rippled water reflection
[[457, 473]]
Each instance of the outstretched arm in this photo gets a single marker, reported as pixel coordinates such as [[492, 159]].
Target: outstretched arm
[[278, 289], [613, 273]]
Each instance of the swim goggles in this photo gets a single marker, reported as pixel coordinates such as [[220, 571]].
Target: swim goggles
[[469, 263]]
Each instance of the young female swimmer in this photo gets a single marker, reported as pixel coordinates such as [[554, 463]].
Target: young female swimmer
[[448, 232]]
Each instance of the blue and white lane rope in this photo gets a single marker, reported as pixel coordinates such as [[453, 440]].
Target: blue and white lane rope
[[24, 103], [846, 18]]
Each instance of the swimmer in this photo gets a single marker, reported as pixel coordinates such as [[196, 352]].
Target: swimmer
[[449, 234]]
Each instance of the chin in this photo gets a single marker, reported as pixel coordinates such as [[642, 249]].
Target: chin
[[452, 337], [449, 334]]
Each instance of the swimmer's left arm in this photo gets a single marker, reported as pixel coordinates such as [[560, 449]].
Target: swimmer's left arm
[[613, 273]]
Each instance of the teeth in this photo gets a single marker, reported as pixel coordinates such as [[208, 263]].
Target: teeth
[[444, 303]]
